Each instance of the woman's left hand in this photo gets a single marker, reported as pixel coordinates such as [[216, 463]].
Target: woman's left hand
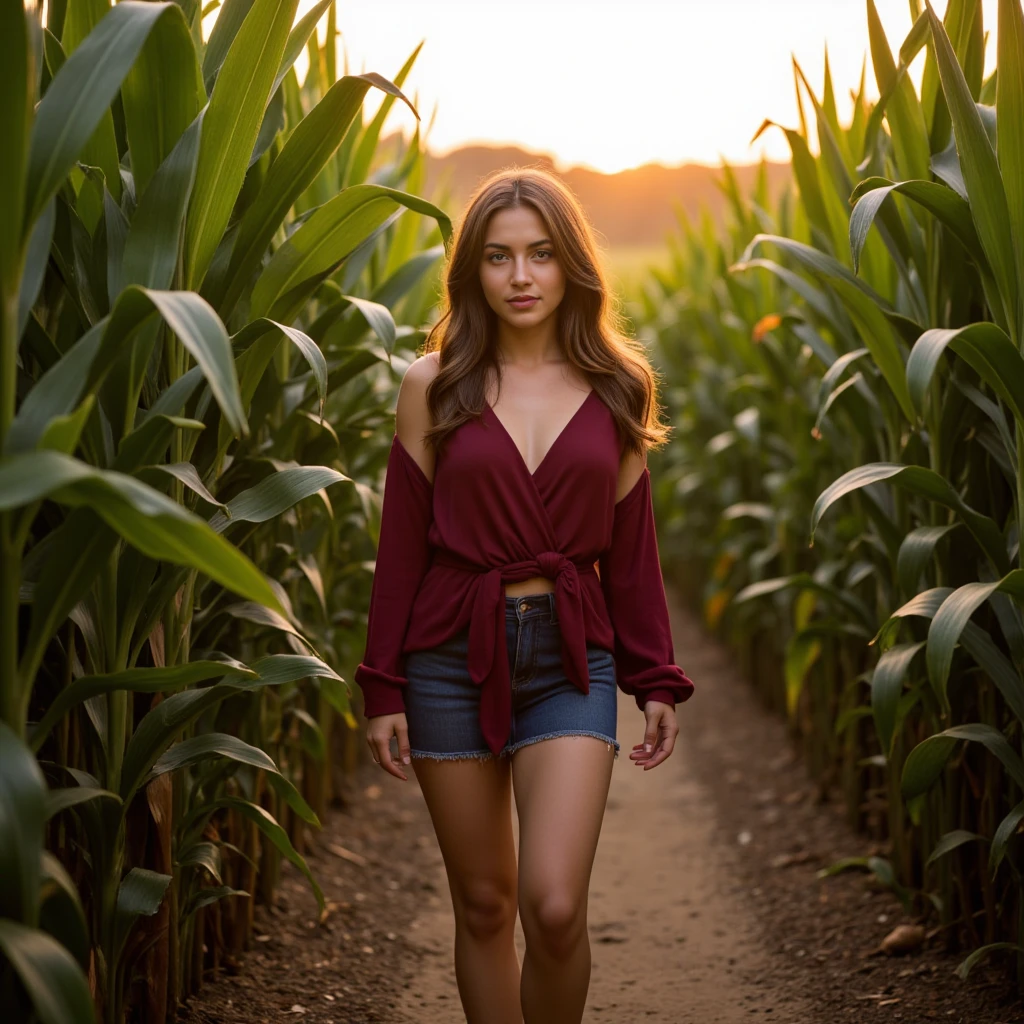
[[659, 736]]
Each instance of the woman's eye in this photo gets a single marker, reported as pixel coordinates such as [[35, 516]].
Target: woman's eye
[[542, 252], [495, 254]]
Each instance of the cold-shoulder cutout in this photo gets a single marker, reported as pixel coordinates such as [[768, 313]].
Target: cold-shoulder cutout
[[407, 456]]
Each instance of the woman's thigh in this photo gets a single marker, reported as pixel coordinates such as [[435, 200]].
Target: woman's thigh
[[470, 805], [561, 789]]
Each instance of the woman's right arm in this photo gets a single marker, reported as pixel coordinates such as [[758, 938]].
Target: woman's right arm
[[403, 556]]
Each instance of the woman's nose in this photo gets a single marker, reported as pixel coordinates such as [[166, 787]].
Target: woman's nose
[[520, 269]]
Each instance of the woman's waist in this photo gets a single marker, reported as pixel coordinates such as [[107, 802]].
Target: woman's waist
[[539, 566], [449, 591]]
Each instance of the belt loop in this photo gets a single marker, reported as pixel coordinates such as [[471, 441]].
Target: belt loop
[[554, 607]]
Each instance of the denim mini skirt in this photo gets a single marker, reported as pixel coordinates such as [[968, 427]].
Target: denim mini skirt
[[442, 703]]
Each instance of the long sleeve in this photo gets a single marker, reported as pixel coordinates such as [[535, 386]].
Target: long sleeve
[[634, 593], [403, 556]]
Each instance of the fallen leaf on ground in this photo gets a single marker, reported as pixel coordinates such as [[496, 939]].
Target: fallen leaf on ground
[[904, 938], [345, 854]]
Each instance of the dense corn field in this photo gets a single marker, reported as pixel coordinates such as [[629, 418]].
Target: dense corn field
[[211, 278], [844, 497]]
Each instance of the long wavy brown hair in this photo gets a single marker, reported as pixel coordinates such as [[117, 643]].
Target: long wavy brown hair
[[590, 326]]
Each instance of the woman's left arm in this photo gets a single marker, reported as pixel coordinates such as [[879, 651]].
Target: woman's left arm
[[634, 593]]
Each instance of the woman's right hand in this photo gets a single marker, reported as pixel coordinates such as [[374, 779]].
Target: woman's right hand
[[379, 731]]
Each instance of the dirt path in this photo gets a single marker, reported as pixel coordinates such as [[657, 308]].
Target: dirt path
[[704, 906]]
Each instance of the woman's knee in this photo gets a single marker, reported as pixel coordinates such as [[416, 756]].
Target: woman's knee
[[556, 920], [486, 906]]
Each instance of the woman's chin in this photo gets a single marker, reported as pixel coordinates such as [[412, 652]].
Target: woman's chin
[[525, 318]]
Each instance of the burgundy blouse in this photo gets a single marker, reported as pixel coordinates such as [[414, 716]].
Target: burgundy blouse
[[448, 548]]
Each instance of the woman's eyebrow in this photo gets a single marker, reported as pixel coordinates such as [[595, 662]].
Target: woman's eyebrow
[[500, 245]]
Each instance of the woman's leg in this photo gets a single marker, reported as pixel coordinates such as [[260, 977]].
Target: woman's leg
[[470, 804], [561, 787]]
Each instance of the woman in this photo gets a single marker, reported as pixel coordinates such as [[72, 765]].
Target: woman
[[518, 462]]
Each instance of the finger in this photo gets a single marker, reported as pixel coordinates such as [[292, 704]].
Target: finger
[[404, 755], [663, 750], [384, 758], [651, 732]]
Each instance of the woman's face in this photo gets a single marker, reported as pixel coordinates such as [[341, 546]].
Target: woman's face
[[519, 270]]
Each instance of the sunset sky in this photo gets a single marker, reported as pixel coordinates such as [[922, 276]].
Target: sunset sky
[[618, 84]]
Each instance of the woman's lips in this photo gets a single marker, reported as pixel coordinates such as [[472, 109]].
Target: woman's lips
[[526, 302]]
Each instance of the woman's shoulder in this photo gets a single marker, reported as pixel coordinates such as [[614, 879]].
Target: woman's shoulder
[[412, 414], [422, 370]]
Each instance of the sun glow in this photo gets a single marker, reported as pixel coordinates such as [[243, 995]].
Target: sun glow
[[613, 85]]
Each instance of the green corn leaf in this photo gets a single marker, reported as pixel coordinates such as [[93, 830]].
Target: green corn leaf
[[916, 552], [951, 210], [903, 111], [22, 799], [219, 745], [297, 40], [17, 73], [161, 96], [189, 476], [140, 895], [198, 328], [1010, 112], [928, 484], [58, 800], [313, 142], [60, 910], [153, 243], [925, 762], [204, 897], [952, 841], [56, 393], [161, 726], [804, 581], [80, 95], [925, 604], [231, 127], [225, 28], [166, 679], [866, 308], [275, 494], [1003, 834], [325, 240], [363, 155], [148, 520], [212, 745], [79, 549], [101, 149], [267, 824], [36, 258], [887, 689], [985, 348], [257, 346], [981, 175], [148, 443], [949, 623], [205, 855], [55, 983]]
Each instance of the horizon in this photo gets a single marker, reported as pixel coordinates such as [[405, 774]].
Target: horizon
[[433, 153], [472, 89]]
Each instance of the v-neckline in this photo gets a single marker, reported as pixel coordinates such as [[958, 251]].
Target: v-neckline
[[554, 444]]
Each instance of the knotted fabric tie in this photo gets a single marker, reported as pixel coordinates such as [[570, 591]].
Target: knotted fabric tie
[[488, 653]]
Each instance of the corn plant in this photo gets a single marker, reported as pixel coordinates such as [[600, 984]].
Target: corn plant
[[201, 265], [846, 372]]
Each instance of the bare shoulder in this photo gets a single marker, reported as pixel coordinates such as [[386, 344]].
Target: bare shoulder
[[412, 415], [631, 468]]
